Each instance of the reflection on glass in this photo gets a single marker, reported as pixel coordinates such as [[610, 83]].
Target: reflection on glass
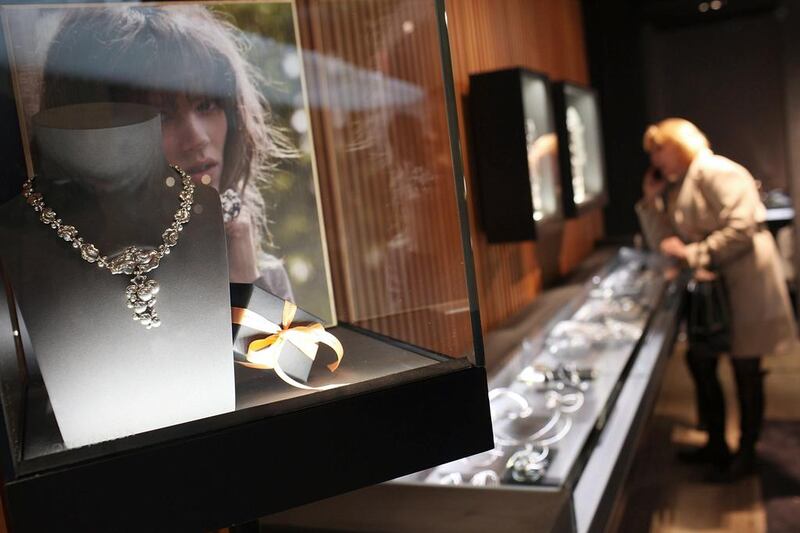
[[542, 147], [577, 153], [585, 143]]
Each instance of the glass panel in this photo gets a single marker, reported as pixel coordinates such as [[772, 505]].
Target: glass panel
[[314, 139], [585, 143], [559, 383], [542, 143], [389, 172]]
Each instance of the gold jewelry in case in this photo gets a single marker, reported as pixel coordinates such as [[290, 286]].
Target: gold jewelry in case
[[132, 261]]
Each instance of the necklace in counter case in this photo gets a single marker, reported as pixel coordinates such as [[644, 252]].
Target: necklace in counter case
[[132, 261]]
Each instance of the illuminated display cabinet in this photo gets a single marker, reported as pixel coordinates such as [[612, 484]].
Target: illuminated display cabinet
[[353, 357], [580, 148], [516, 153]]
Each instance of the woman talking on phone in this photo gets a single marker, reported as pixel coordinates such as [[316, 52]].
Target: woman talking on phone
[[704, 211]]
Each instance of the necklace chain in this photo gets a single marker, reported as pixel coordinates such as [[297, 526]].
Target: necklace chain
[[132, 261]]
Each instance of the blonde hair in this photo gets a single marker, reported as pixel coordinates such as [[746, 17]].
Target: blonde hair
[[682, 133]]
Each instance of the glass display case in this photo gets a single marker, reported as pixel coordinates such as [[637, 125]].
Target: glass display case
[[516, 153], [548, 400], [580, 136], [566, 405], [230, 231]]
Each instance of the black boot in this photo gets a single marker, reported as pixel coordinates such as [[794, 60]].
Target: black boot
[[711, 410], [713, 453], [750, 393]]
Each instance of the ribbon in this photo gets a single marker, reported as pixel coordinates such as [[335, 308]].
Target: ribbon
[[265, 353]]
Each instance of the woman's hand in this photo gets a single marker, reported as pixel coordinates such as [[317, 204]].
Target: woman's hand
[[652, 187], [673, 247], [242, 248], [701, 274]]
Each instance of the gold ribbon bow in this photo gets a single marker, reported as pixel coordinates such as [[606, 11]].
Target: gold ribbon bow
[[265, 353]]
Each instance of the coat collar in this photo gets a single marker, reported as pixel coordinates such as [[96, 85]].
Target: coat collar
[[699, 161]]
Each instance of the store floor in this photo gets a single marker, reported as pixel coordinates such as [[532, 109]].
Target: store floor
[[666, 496]]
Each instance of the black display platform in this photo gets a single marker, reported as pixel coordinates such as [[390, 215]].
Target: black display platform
[[403, 409], [314, 449]]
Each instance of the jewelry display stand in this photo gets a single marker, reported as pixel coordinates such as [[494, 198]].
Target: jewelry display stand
[[103, 171]]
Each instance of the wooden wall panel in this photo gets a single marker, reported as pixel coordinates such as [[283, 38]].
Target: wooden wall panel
[[544, 35], [378, 114]]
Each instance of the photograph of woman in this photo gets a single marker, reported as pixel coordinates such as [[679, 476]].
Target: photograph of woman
[[230, 123]]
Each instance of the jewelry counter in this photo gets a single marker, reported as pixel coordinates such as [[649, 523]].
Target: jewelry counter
[[568, 404]]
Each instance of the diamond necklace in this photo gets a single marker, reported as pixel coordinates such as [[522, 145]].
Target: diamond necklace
[[132, 261]]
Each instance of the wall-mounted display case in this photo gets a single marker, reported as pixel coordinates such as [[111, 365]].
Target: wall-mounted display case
[[515, 149], [286, 314], [567, 405], [580, 147]]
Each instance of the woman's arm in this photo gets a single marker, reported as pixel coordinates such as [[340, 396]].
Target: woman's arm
[[732, 193], [242, 248], [652, 213]]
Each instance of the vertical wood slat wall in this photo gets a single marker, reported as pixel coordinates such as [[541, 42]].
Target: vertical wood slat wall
[[385, 170], [374, 76], [543, 35]]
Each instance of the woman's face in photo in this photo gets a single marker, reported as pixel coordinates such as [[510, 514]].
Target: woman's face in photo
[[195, 129]]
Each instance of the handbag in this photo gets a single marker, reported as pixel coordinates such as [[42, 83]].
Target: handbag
[[709, 315]]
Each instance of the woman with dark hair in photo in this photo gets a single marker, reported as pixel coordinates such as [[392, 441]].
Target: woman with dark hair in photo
[[216, 124], [704, 210]]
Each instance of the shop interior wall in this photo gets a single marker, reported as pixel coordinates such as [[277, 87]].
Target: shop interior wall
[[543, 35], [725, 70], [726, 76], [616, 62], [374, 76], [386, 172], [791, 42]]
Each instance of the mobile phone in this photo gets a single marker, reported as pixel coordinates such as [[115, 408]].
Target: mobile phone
[[656, 173]]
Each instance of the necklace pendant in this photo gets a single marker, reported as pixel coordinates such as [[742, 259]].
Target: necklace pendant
[[141, 295]]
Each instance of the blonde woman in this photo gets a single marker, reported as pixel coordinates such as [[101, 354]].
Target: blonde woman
[[216, 124], [704, 210]]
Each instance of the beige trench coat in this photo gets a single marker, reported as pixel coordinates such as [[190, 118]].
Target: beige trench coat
[[718, 212]]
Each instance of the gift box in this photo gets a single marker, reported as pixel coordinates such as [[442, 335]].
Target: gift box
[[263, 309]]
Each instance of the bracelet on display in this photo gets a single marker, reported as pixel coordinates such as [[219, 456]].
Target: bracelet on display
[[529, 464], [504, 439], [524, 408], [483, 478], [542, 377], [561, 404], [569, 402]]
